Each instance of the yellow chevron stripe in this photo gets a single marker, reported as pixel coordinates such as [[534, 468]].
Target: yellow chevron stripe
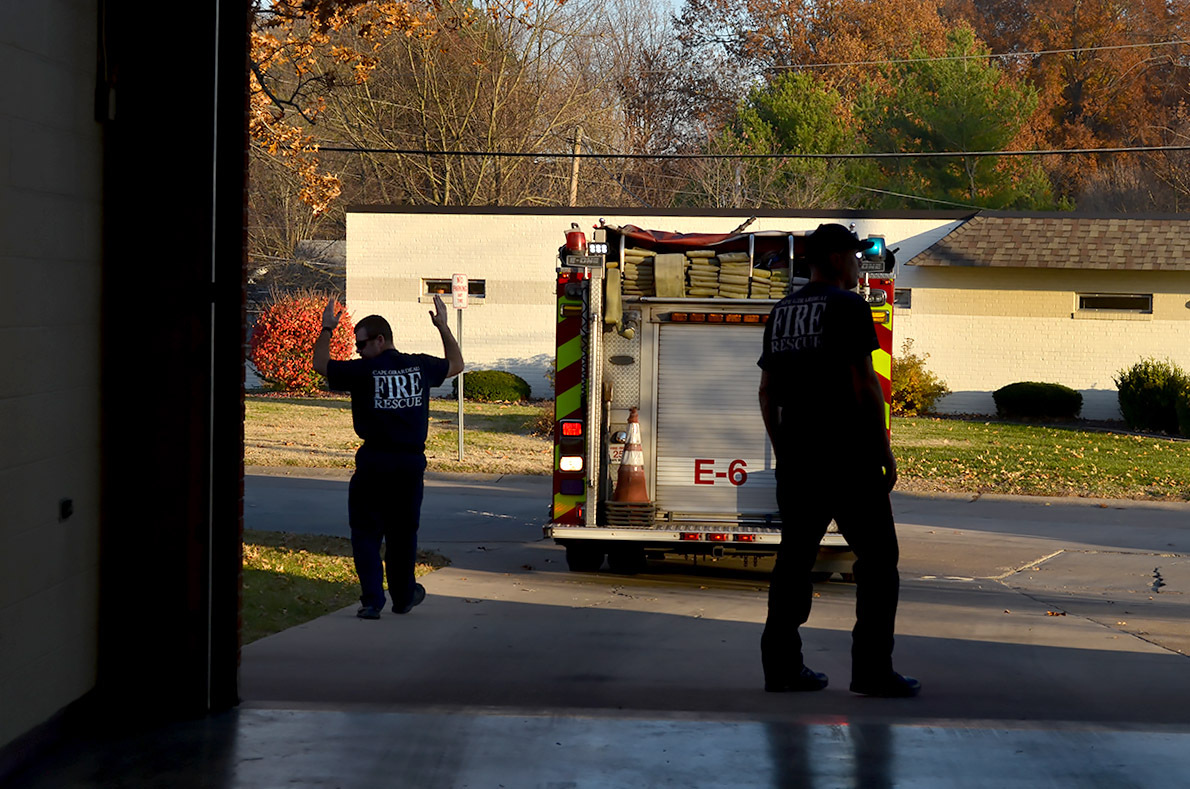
[[882, 362], [570, 352], [568, 402]]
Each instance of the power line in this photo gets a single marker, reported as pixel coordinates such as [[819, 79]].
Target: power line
[[728, 156], [618, 181], [912, 197], [990, 55]]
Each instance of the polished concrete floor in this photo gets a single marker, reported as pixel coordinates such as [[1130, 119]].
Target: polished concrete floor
[[263, 747]]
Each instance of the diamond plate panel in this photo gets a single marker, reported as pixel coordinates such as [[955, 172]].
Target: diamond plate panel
[[625, 378]]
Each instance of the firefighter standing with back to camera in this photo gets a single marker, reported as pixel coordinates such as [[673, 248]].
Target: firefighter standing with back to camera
[[824, 412], [390, 407]]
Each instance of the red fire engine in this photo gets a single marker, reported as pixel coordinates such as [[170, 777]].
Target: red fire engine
[[659, 447]]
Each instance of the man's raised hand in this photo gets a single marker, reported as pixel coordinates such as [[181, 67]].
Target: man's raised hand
[[330, 318], [438, 316]]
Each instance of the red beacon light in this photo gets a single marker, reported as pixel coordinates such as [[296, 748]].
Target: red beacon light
[[576, 240]]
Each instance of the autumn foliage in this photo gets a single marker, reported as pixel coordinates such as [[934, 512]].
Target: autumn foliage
[[283, 341]]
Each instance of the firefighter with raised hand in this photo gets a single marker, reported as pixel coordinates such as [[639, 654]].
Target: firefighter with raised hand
[[824, 412], [390, 408]]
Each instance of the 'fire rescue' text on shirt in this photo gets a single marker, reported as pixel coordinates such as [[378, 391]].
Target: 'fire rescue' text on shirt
[[396, 388], [797, 326]]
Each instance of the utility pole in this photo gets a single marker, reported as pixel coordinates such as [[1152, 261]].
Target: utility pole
[[578, 142]]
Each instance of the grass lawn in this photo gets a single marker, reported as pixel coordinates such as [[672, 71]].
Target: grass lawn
[[1041, 460], [316, 432], [293, 578], [932, 454]]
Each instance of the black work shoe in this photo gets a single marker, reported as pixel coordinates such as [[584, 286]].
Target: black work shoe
[[419, 594], [368, 612], [805, 680], [890, 686]]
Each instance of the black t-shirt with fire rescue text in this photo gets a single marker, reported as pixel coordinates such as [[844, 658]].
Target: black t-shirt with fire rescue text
[[812, 340], [390, 405]]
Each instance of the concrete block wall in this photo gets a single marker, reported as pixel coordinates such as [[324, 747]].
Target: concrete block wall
[[986, 328], [390, 252], [50, 190]]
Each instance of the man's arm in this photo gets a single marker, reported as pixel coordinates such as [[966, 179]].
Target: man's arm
[[322, 346], [450, 346], [870, 397], [768, 409]]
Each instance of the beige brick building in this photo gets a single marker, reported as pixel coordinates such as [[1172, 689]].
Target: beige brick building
[[1056, 298], [395, 254], [993, 298]]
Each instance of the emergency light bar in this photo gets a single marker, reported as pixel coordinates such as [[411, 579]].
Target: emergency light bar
[[715, 317]]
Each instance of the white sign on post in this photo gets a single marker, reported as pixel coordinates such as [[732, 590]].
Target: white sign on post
[[458, 290]]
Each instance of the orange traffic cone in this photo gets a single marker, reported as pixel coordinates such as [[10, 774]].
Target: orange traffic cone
[[631, 485]]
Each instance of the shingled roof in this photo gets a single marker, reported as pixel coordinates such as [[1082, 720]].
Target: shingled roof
[[1066, 242]]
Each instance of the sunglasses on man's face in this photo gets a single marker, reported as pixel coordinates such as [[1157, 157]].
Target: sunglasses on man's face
[[360, 344]]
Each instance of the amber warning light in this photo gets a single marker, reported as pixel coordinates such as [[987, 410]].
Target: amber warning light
[[714, 317]]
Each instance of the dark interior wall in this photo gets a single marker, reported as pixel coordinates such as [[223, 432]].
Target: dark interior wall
[[173, 107]]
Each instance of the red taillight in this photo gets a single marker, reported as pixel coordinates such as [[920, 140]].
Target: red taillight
[[691, 535], [572, 429], [745, 538], [717, 537]]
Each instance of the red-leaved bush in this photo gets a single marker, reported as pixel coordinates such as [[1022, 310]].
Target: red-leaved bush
[[283, 339]]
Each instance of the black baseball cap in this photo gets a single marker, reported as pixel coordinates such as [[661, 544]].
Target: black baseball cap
[[835, 238]]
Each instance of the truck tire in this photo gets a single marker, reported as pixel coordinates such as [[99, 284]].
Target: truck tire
[[583, 557], [626, 560]]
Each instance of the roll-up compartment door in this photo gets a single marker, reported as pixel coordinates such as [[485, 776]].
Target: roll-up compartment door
[[713, 455]]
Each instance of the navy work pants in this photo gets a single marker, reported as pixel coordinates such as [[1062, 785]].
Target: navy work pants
[[385, 507], [808, 499]]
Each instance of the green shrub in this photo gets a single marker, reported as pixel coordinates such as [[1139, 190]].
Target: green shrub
[[1148, 394], [1182, 409], [488, 386], [1032, 400], [915, 389]]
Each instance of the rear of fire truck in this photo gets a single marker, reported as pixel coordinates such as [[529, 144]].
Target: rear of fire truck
[[659, 446]]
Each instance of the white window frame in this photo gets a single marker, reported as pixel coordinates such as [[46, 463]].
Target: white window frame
[[1142, 312], [1147, 309], [425, 296]]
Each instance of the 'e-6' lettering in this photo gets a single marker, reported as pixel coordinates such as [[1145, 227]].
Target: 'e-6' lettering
[[705, 474]]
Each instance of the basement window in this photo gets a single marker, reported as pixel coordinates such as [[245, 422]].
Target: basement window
[[1131, 303], [476, 289]]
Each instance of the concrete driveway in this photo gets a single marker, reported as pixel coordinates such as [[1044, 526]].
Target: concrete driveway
[[1050, 636]]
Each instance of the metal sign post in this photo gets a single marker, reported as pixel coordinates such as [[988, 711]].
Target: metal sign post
[[458, 292]]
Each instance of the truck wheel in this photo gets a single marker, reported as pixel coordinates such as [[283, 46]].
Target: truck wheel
[[582, 558], [627, 561]]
